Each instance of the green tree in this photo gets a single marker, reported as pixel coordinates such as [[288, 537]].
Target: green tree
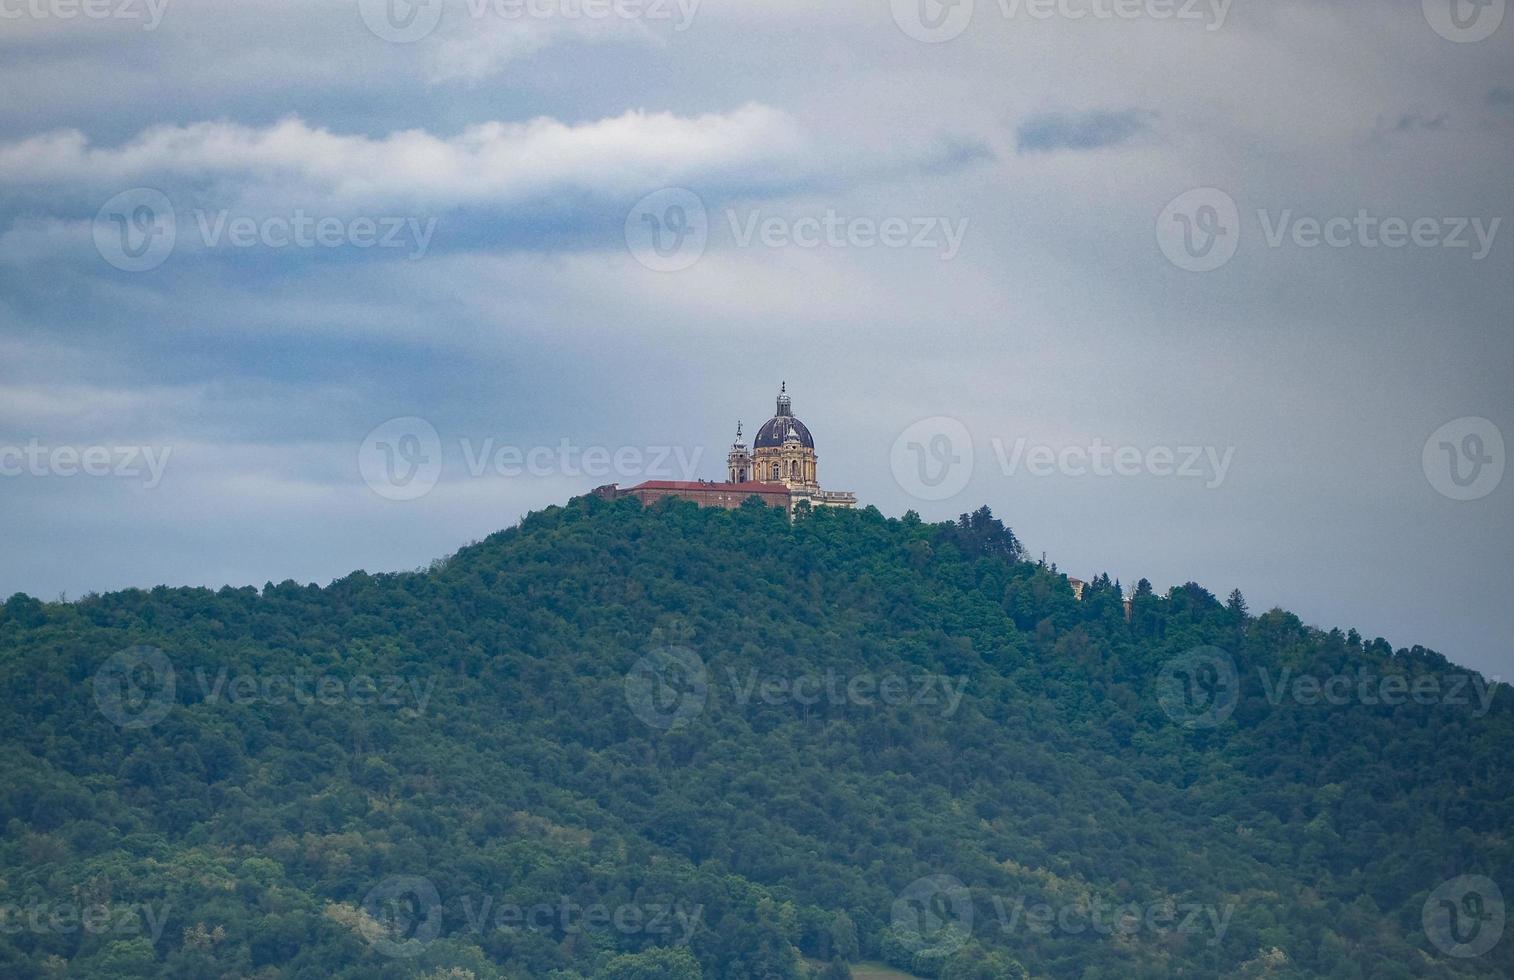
[[973, 962], [836, 969], [654, 964], [844, 937]]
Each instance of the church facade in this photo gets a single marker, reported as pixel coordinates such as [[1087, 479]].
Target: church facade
[[780, 469]]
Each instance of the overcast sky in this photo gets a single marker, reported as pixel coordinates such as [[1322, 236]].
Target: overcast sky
[[1216, 291]]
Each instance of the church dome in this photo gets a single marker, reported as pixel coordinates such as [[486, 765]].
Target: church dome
[[778, 429], [782, 426]]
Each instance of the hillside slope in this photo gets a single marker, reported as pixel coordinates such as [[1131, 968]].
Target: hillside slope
[[680, 742]]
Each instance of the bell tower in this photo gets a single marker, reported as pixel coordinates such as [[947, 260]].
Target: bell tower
[[738, 461]]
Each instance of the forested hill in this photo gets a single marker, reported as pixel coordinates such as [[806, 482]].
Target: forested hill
[[673, 742]]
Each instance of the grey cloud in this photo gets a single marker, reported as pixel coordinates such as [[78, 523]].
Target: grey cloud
[[1094, 130]]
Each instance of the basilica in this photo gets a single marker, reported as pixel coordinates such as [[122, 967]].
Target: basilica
[[781, 469]]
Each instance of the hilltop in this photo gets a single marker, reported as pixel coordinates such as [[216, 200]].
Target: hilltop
[[682, 742]]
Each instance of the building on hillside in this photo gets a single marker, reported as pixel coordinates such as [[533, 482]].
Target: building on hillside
[[1078, 585], [781, 469], [705, 493]]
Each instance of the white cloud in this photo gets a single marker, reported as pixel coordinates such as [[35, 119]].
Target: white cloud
[[491, 163], [489, 45]]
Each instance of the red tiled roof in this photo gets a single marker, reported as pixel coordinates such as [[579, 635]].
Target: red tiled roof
[[749, 487]]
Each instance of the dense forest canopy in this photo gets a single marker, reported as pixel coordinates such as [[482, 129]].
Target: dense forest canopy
[[680, 742]]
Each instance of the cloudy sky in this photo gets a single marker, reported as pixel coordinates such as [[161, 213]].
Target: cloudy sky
[[1211, 291]]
